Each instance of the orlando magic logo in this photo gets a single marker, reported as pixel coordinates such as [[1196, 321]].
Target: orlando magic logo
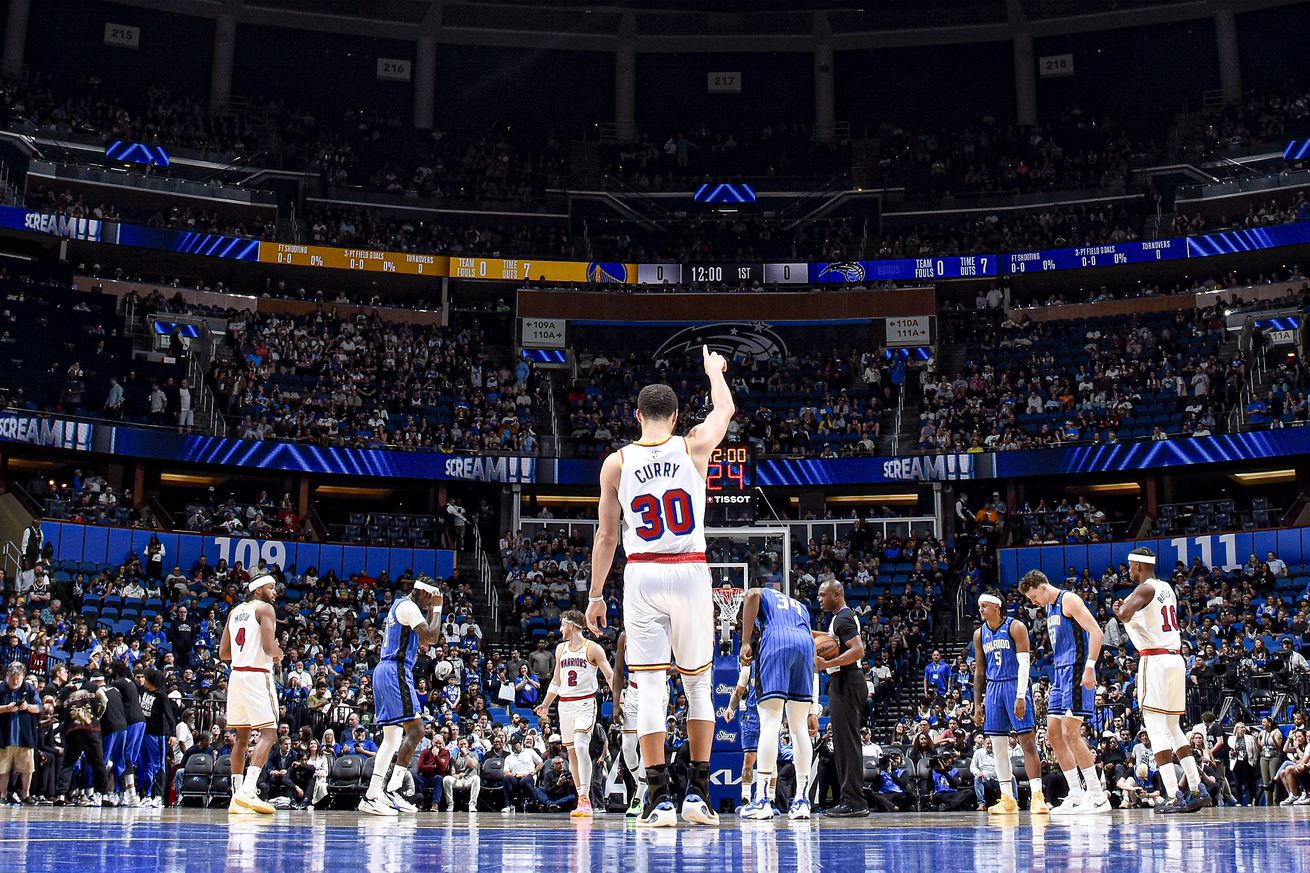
[[842, 271], [606, 273], [732, 339]]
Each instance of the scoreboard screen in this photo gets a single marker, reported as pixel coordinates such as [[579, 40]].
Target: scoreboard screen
[[730, 483]]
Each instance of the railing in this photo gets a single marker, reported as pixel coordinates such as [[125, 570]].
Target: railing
[[801, 531], [242, 196], [36, 662], [12, 559], [487, 577]]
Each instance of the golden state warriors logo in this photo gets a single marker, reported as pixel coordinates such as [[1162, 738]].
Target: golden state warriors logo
[[599, 273]]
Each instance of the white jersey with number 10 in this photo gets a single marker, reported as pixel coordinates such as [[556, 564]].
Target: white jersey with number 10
[[1155, 626], [663, 499]]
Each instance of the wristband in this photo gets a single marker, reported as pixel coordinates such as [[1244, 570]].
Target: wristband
[[553, 689], [1091, 665], [595, 599]]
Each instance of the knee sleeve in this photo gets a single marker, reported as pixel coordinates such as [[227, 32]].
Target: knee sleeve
[[700, 700], [1001, 751], [652, 701], [632, 757], [798, 722], [766, 760]]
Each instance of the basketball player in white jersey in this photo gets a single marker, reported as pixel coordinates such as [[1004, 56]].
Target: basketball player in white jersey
[[1150, 615], [576, 661], [623, 688], [250, 644], [657, 486]]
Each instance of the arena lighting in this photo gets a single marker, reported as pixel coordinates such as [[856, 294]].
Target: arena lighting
[[188, 479], [724, 192], [351, 491], [1107, 488], [874, 498], [1266, 477], [561, 498]]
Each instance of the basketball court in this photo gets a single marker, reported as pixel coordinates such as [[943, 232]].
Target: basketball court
[[165, 841]]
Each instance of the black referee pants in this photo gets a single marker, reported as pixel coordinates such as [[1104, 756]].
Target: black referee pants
[[847, 691]]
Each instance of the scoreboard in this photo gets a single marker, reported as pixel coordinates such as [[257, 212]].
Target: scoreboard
[[730, 484]]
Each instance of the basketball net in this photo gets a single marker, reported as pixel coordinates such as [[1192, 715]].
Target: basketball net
[[729, 601]]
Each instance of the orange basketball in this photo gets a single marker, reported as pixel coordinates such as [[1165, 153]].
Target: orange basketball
[[825, 645]]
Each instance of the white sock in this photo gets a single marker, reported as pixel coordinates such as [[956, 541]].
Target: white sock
[[762, 781], [391, 736], [1035, 786], [251, 783], [1191, 771], [747, 791], [397, 778], [236, 783], [1075, 784], [1169, 776], [1093, 783]]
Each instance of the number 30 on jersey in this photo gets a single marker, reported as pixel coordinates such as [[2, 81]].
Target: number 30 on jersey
[[672, 512]]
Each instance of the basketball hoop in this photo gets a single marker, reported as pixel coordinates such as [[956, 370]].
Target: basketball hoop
[[729, 601]]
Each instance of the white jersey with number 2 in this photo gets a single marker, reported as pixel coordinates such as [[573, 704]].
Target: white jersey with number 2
[[663, 499]]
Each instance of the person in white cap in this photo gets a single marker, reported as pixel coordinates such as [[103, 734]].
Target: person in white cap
[[1150, 615], [1001, 673], [250, 644]]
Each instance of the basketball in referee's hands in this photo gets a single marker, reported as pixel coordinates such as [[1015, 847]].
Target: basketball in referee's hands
[[825, 645]]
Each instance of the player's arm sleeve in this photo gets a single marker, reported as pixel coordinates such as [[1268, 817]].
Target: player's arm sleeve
[[408, 614], [1025, 671]]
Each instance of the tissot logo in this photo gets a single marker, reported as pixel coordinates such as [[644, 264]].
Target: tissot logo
[[930, 468]]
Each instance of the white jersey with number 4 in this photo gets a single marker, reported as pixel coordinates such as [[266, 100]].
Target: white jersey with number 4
[[247, 638], [577, 675], [663, 498], [1155, 626]]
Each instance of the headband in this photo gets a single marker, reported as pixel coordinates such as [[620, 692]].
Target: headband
[[426, 585], [1143, 559], [259, 582], [990, 598]]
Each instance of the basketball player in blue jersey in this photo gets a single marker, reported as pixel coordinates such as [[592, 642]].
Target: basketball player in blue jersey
[[743, 699], [784, 681], [1001, 672], [1076, 640], [395, 703]]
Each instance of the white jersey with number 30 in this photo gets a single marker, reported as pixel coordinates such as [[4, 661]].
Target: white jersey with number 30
[[1155, 626], [663, 499]]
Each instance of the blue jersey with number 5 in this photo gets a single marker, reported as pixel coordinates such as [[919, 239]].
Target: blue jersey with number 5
[[998, 650]]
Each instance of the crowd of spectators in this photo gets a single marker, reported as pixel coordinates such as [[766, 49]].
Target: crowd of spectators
[[158, 117], [1034, 384], [810, 404], [370, 382], [1278, 210], [180, 216], [1256, 118]]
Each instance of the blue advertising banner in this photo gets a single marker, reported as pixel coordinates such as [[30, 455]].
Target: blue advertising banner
[[305, 458], [112, 545], [1227, 551], [45, 430]]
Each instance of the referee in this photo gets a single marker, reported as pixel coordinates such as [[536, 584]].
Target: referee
[[847, 693]]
